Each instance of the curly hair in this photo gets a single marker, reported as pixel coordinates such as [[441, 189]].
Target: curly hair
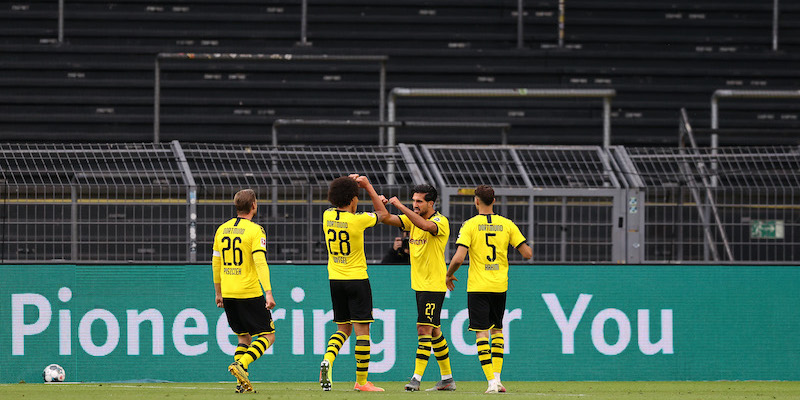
[[430, 191], [342, 191], [485, 193]]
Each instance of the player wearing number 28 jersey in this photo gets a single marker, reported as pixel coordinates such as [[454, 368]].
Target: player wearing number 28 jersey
[[351, 293]]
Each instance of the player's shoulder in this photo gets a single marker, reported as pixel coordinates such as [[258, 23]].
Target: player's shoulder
[[471, 221], [504, 220], [258, 228], [224, 224], [438, 217]]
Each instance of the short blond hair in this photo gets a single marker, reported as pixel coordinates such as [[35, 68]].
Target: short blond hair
[[244, 200]]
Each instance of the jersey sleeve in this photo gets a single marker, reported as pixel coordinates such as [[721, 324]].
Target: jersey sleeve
[[516, 238], [465, 235], [405, 222], [259, 241], [258, 251], [216, 261], [442, 224], [367, 219]]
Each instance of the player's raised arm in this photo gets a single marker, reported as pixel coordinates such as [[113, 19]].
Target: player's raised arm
[[392, 219], [377, 203], [416, 219]]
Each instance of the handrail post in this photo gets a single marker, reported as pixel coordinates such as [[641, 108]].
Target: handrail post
[[606, 122], [520, 23], [61, 21], [775, 26], [382, 103], [157, 102], [560, 23], [304, 24]]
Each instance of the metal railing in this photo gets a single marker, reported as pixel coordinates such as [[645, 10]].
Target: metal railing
[[160, 203], [605, 94], [504, 128]]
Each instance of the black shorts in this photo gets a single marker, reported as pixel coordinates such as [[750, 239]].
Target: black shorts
[[486, 310], [249, 316], [352, 301], [429, 308]]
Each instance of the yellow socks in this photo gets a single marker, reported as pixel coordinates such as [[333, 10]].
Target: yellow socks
[[256, 349], [498, 344], [362, 359], [442, 354], [334, 345], [485, 357]]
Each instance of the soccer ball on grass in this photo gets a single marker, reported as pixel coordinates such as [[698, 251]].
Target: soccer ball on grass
[[53, 373]]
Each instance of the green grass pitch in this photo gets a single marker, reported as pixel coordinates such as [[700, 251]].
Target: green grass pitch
[[394, 390]]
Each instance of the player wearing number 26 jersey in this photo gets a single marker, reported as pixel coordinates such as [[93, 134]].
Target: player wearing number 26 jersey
[[351, 294], [240, 271]]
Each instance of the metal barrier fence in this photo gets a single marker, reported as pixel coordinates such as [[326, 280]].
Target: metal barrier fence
[[160, 203]]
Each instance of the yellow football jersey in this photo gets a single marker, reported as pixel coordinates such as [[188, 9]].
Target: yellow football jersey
[[344, 238], [487, 236], [235, 262], [428, 268]]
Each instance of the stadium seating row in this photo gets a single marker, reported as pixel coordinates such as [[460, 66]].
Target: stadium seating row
[[659, 56]]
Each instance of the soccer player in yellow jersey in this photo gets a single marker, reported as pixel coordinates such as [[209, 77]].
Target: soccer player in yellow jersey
[[429, 231], [351, 293], [486, 236], [240, 270]]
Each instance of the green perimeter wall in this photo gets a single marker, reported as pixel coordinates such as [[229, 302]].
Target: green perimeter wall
[[563, 323]]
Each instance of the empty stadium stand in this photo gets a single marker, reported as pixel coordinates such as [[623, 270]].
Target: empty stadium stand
[[98, 83]]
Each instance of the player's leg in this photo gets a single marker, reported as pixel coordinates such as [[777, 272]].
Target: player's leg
[[361, 311], [498, 345], [257, 348], [423, 353], [257, 319], [442, 353], [236, 315], [341, 316], [244, 342], [497, 310], [480, 323]]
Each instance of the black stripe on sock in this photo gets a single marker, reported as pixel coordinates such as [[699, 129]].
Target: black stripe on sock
[[362, 369], [423, 357], [364, 343], [443, 357], [252, 355], [484, 362], [362, 352], [498, 355], [438, 340]]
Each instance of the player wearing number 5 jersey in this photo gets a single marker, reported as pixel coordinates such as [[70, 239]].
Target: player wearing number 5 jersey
[[240, 272], [487, 236], [351, 293]]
